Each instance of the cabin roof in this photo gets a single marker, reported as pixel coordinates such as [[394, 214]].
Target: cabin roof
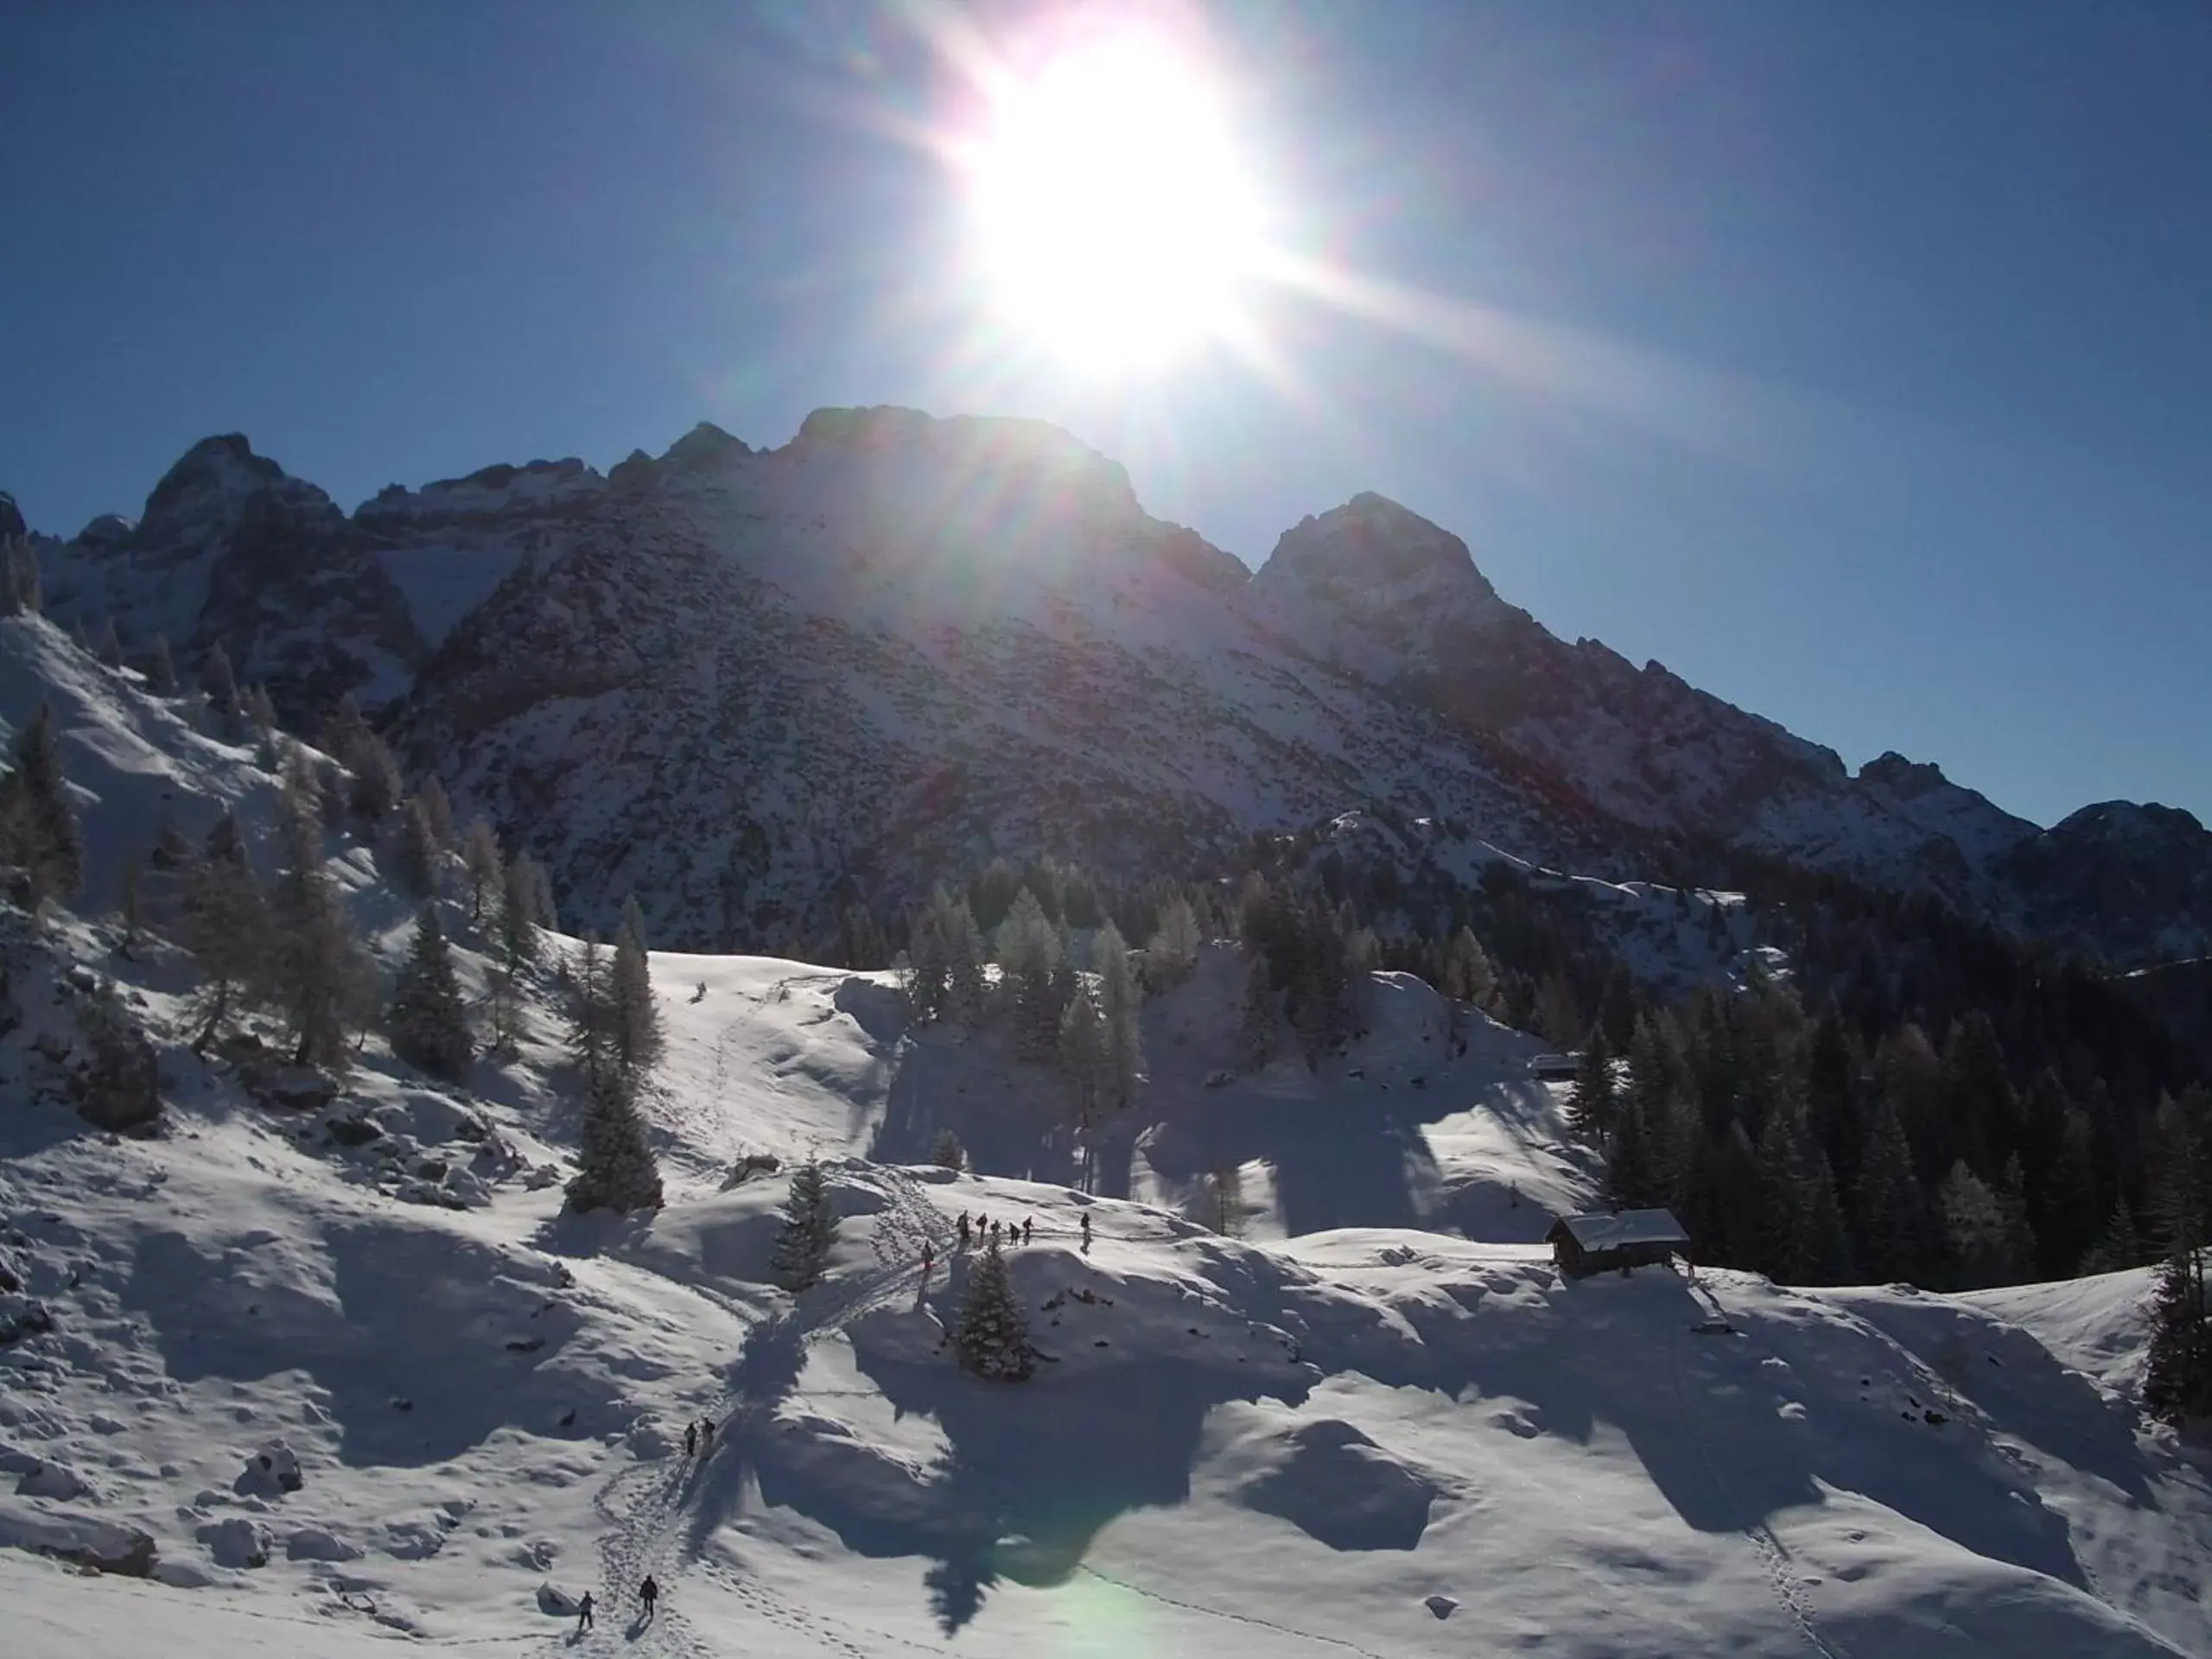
[[1611, 1231]]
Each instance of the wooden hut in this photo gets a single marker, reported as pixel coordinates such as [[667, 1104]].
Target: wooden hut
[[1582, 1245]]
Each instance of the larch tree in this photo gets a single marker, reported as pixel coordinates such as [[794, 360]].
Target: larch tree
[[437, 811], [110, 645], [1083, 1056], [633, 1016], [429, 1020], [1029, 958], [160, 668], [223, 924], [485, 867], [418, 857], [317, 964]]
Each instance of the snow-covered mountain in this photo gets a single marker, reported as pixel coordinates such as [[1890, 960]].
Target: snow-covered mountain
[[298, 1371], [743, 682]]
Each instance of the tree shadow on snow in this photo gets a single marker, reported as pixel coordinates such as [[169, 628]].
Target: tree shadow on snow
[[419, 1342], [1368, 1166], [938, 1088]]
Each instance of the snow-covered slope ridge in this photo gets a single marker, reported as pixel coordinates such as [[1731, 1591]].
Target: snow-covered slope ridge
[[1376, 1422], [743, 680]]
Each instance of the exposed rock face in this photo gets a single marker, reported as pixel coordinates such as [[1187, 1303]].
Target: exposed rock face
[[748, 683]]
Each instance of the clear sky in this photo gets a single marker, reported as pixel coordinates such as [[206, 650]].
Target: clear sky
[[1854, 360]]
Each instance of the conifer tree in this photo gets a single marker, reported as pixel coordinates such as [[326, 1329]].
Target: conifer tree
[[1595, 1101], [78, 638], [1632, 1171], [945, 1151], [810, 1230], [1468, 975], [1121, 1003], [1029, 960], [38, 824], [2119, 1246], [485, 867], [261, 709], [345, 731], [161, 670], [1977, 1236], [317, 965], [110, 645], [223, 926], [217, 681], [518, 912], [377, 786], [589, 1002], [437, 812], [430, 1020], [992, 1336], [2177, 1372], [131, 904], [1259, 1017], [615, 1166], [633, 1016], [1887, 1208], [1084, 1057], [418, 852], [1172, 951]]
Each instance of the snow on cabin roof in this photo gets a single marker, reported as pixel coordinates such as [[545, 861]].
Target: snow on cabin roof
[[1606, 1231]]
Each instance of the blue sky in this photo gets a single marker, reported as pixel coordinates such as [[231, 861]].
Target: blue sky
[[1854, 361]]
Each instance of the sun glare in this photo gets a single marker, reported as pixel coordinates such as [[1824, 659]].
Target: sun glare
[[1116, 222]]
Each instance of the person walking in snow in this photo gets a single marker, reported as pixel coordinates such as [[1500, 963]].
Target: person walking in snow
[[1028, 1228], [1086, 1232], [648, 1592], [963, 1229], [583, 1613], [706, 1434], [691, 1439], [929, 1256]]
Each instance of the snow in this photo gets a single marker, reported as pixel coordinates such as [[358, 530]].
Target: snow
[[1379, 1401]]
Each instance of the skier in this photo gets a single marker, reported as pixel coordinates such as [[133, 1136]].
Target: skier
[[691, 1439], [583, 1613], [1086, 1232], [1028, 1228], [648, 1592]]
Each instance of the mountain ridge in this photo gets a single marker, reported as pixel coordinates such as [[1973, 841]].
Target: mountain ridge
[[1017, 649]]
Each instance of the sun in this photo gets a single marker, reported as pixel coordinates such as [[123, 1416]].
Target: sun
[[1114, 219]]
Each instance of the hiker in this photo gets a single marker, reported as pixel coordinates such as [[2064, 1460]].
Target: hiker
[[929, 1257], [995, 1230], [1086, 1232], [648, 1592], [691, 1439], [706, 1434], [1028, 1228], [583, 1613], [963, 1229]]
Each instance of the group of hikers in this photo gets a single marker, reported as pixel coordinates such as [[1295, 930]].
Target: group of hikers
[[648, 1593], [699, 1437], [994, 1232]]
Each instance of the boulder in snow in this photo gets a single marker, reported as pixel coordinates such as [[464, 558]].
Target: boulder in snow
[[274, 1468], [558, 1603], [1442, 1606], [319, 1544], [51, 1480], [236, 1542], [87, 1540]]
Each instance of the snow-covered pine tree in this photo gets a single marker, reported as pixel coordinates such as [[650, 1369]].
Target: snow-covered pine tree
[[615, 1166], [1259, 1016], [810, 1230], [633, 1016], [437, 811], [429, 1022], [992, 1334], [223, 925], [1120, 1007], [38, 825], [418, 857], [485, 868], [1171, 953], [160, 669], [317, 966]]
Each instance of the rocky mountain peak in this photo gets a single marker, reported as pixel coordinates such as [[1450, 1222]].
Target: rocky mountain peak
[[11, 517], [1902, 776], [1372, 546], [704, 448], [210, 487]]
